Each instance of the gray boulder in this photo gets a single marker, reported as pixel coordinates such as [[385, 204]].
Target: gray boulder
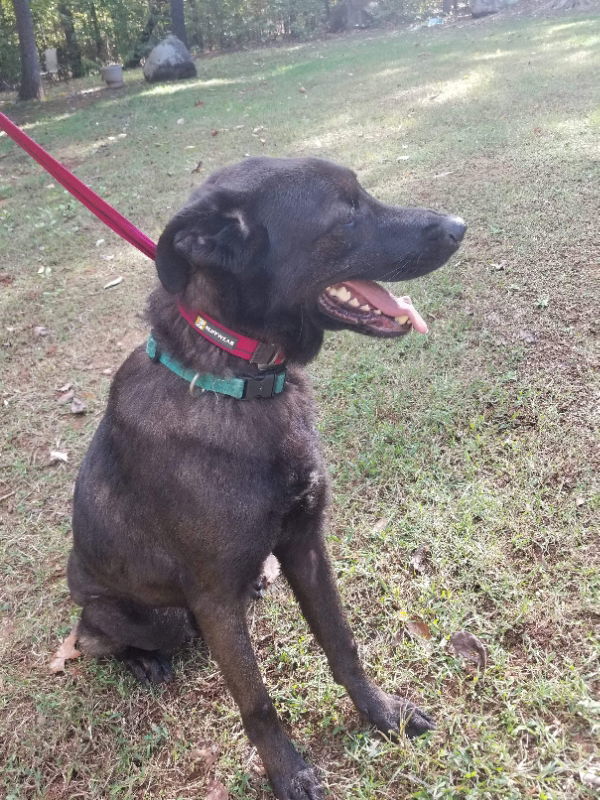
[[170, 60], [479, 8]]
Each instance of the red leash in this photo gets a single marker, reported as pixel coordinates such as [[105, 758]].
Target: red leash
[[103, 210], [237, 344]]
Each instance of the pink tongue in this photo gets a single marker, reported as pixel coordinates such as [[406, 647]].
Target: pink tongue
[[388, 303]]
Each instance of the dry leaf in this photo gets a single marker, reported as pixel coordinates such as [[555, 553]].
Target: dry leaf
[[66, 652], [419, 558], [57, 456], [417, 628], [590, 779], [65, 387], [270, 571], [214, 132], [198, 167], [114, 282], [216, 791], [199, 103], [66, 396], [78, 406], [469, 647], [380, 525], [203, 759], [41, 330]]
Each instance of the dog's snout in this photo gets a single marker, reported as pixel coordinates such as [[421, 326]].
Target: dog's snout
[[454, 227], [447, 228]]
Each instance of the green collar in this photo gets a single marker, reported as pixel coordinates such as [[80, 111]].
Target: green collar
[[268, 384]]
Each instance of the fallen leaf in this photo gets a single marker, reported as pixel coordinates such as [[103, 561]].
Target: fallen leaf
[[270, 571], [41, 330], [419, 558], [199, 103], [114, 282], [468, 646], [65, 387], [216, 791], [417, 628], [78, 406], [58, 456], [198, 167], [590, 778], [380, 525], [214, 132], [203, 759], [65, 397], [66, 652]]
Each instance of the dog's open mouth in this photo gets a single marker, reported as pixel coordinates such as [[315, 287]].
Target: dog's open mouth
[[371, 308]]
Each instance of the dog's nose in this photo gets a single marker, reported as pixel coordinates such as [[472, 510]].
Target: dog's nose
[[455, 227], [446, 229]]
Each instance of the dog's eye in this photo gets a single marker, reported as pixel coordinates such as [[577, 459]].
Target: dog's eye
[[350, 221]]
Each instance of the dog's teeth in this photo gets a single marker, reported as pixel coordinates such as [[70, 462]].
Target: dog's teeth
[[402, 320], [366, 307], [377, 311], [344, 294], [354, 302], [331, 291]]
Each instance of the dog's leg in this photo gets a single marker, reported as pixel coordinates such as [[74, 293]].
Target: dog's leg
[[305, 564], [223, 625]]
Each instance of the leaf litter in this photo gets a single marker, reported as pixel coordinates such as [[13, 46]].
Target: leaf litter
[[470, 648], [66, 652]]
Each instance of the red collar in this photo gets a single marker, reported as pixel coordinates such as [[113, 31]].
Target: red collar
[[264, 354]]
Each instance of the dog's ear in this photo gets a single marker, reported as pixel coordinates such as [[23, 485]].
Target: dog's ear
[[211, 233]]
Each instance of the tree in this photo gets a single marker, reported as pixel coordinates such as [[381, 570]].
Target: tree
[[178, 20], [31, 80], [72, 50]]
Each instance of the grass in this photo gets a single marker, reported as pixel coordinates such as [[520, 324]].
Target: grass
[[475, 443]]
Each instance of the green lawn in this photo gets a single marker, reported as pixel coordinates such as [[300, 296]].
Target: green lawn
[[475, 443]]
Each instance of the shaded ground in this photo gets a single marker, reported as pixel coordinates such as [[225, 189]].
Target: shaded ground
[[475, 443]]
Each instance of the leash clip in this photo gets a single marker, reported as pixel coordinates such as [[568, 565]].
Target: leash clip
[[260, 386]]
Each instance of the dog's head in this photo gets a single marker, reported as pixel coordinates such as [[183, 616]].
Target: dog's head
[[284, 248]]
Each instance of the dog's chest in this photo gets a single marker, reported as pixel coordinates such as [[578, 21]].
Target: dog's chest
[[302, 468], [305, 487]]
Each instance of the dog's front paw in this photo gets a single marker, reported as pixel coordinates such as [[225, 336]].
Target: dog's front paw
[[401, 716], [301, 785]]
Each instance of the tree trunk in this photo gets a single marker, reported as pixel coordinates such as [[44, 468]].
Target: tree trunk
[[72, 49], [178, 20], [31, 80], [197, 37], [100, 50]]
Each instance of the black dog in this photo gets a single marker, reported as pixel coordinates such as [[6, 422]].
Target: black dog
[[185, 491]]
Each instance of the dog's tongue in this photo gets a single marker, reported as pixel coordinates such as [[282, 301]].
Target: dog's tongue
[[388, 303]]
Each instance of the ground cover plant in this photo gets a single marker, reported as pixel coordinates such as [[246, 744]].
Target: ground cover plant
[[463, 463]]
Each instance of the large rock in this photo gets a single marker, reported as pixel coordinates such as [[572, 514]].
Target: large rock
[[479, 8], [170, 60]]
